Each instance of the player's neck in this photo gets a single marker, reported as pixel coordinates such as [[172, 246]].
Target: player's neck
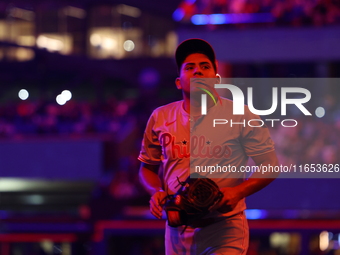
[[193, 107]]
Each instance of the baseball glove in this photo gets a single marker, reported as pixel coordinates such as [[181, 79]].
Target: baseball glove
[[192, 201]]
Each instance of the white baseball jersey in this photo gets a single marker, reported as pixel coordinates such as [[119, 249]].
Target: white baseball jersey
[[180, 143]]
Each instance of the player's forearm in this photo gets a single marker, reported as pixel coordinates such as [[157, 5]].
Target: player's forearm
[[149, 178], [258, 181], [252, 186]]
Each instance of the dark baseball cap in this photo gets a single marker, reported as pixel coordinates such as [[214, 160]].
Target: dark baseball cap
[[194, 45]]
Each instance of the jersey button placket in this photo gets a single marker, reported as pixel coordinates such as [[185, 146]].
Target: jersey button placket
[[192, 124]]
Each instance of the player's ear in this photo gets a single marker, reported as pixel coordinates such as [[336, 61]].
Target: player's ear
[[178, 83], [219, 78], [217, 75]]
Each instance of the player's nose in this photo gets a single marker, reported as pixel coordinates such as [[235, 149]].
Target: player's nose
[[198, 71]]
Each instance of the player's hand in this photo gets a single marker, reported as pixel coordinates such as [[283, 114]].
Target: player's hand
[[231, 196], [156, 202]]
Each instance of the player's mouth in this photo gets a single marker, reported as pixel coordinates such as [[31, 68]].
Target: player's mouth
[[197, 79]]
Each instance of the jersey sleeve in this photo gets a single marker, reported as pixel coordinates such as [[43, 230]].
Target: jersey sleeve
[[151, 149], [255, 138]]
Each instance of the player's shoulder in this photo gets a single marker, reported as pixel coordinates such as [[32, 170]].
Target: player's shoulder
[[173, 106], [226, 101], [166, 112]]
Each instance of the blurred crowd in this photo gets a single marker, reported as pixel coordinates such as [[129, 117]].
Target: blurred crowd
[[118, 123], [48, 118], [290, 12], [311, 142]]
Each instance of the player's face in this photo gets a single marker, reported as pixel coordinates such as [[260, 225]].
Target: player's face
[[196, 65]]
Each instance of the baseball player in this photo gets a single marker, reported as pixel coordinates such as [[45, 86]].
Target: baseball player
[[176, 138]]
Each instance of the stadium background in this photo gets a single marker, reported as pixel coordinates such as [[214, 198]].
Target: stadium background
[[78, 80]]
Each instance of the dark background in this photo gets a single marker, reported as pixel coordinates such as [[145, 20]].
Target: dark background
[[66, 168]]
